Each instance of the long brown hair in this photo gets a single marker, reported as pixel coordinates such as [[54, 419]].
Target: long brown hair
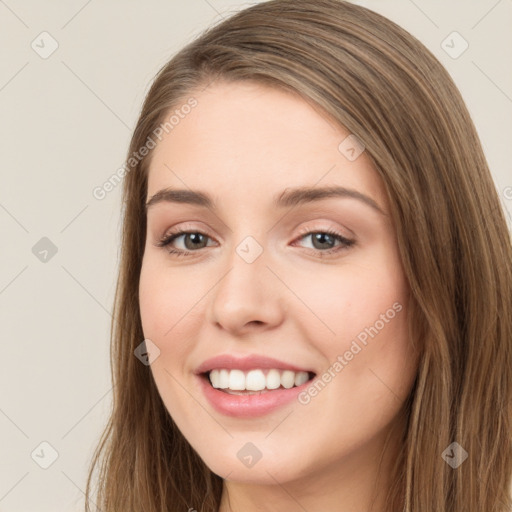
[[379, 82]]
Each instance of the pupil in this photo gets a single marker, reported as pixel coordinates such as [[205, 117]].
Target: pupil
[[195, 238], [320, 237]]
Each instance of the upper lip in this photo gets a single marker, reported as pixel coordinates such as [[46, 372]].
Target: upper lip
[[251, 362]]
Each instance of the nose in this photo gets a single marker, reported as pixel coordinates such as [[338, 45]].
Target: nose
[[249, 297]]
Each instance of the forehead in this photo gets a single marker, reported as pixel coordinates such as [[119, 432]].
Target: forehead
[[252, 139]]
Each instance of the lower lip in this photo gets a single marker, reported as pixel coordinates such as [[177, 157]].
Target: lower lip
[[249, 406]]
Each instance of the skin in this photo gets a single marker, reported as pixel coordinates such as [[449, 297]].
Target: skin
[[243, 144]]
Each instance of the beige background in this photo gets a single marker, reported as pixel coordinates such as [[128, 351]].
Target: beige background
[[65, 127]]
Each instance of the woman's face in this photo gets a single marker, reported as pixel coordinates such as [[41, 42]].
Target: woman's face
[[311, 279]]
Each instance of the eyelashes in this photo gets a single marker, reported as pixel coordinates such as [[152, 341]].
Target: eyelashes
[[167, 240], [322, 236], [345, 243]]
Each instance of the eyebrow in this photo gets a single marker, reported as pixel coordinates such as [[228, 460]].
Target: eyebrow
[[290, 197]]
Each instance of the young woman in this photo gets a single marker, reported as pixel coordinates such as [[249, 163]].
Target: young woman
[[314, 305]]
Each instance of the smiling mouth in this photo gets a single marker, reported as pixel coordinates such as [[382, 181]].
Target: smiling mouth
[[255, 382]]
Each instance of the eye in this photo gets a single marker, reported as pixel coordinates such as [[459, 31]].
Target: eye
[[192, 240], [324, 241]]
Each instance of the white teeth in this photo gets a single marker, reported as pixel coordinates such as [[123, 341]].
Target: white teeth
[[256, 380], [287, 379], [273, 379], [223, 381], [301, 378], [237, 380]]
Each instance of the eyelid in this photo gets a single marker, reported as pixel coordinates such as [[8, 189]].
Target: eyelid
[[324, 229], [188, 227]]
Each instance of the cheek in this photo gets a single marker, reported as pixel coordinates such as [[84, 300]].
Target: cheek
[[165, 297], [167, 314], [343, 303], [168, 307], [360, 313]]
